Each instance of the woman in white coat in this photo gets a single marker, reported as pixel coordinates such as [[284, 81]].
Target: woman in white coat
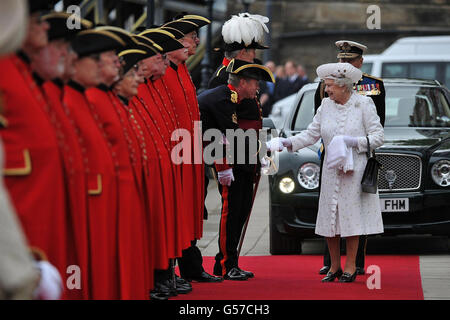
[[344, 118]]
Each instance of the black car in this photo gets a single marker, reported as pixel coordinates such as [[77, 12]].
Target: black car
[[414, 183]]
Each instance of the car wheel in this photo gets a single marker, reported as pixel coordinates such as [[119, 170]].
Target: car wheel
[[283, 244]]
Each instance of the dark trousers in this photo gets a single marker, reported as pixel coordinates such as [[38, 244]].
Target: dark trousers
[[360, 255], [191, 261], [236, 206]]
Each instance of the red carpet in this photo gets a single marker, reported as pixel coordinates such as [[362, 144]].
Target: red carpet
[[297, 278]]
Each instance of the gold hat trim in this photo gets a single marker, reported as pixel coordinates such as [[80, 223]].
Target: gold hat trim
[[129, 51], [253, 65], [143, 33], [193, 16], [103, 32], [116, 29], [86, 23]]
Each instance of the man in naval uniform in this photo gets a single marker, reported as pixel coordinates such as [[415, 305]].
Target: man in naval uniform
[[352, 52]]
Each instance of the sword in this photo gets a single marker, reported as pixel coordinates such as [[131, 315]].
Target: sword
[[244, 228]]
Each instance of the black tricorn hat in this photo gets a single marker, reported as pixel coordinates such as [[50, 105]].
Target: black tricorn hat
[[250, 70], [183, 26], [59, 28], [163, 38], [96, 41], [147, 45], [239, 46], [126, 36], [131, 57], [198, 20], [177, 33], [35, 6]]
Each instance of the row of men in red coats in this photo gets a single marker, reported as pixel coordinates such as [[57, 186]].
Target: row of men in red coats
[[87, 131]]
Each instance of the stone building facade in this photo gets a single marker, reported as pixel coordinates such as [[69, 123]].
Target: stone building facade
[[306, 30]]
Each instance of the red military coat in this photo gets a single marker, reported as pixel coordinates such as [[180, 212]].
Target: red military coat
[[75, 186], [102, 195], [33, 168], [174, 90], [191, 98], [132, 234], [177, 239], [159, 118]]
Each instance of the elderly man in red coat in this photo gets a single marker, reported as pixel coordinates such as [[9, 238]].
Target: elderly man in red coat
[[33, 169], [100, 163], [52, 63], [133, 257], [182, 89]]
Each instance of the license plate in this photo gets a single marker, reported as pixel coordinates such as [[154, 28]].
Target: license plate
[[394, 205]]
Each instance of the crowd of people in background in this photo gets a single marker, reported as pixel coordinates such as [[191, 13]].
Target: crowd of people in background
[[290, 77]]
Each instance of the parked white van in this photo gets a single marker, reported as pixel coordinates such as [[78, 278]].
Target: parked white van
[[413, 57]]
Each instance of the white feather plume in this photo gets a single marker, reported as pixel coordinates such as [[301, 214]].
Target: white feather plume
[[245, 28]]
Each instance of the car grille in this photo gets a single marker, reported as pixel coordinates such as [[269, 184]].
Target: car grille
[[404, 172]]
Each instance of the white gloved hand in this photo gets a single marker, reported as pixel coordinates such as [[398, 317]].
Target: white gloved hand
[[278, 143], [351, 142], [286, 142], [50, 286], [226, 177]]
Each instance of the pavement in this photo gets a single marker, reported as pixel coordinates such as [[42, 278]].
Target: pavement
[[434, 252]]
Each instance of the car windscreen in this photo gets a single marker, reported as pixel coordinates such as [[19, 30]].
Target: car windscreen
[[305, 111], [406, 106], [416, 106]]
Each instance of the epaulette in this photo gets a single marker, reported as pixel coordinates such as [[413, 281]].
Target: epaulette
[[234, 96], [371, 76]]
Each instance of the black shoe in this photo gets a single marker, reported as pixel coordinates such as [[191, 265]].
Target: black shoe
[[331, 276], [158, 296], [324, 270], [235, 274], [247, 273], [163, 291], [205, 277], [182, 285], [360, 271], [347, 277]]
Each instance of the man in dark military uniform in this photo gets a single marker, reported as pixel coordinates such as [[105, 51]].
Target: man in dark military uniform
[[351, 52], [221, 108], [241, 46]]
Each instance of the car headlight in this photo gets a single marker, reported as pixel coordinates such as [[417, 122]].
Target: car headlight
[[308, 176], [440, 172], [287, 185]]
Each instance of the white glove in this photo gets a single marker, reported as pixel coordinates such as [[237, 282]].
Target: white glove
[[278, 143], [226, 177], [351, 142], [286, 142], [50, 287]]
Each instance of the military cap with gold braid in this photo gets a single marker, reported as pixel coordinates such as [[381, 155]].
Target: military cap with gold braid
[[162, 38], [349, 49], [96, 41], [58, 25], [250, 70]]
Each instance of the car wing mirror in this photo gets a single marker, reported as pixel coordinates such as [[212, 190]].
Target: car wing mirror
[[268, 123]]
